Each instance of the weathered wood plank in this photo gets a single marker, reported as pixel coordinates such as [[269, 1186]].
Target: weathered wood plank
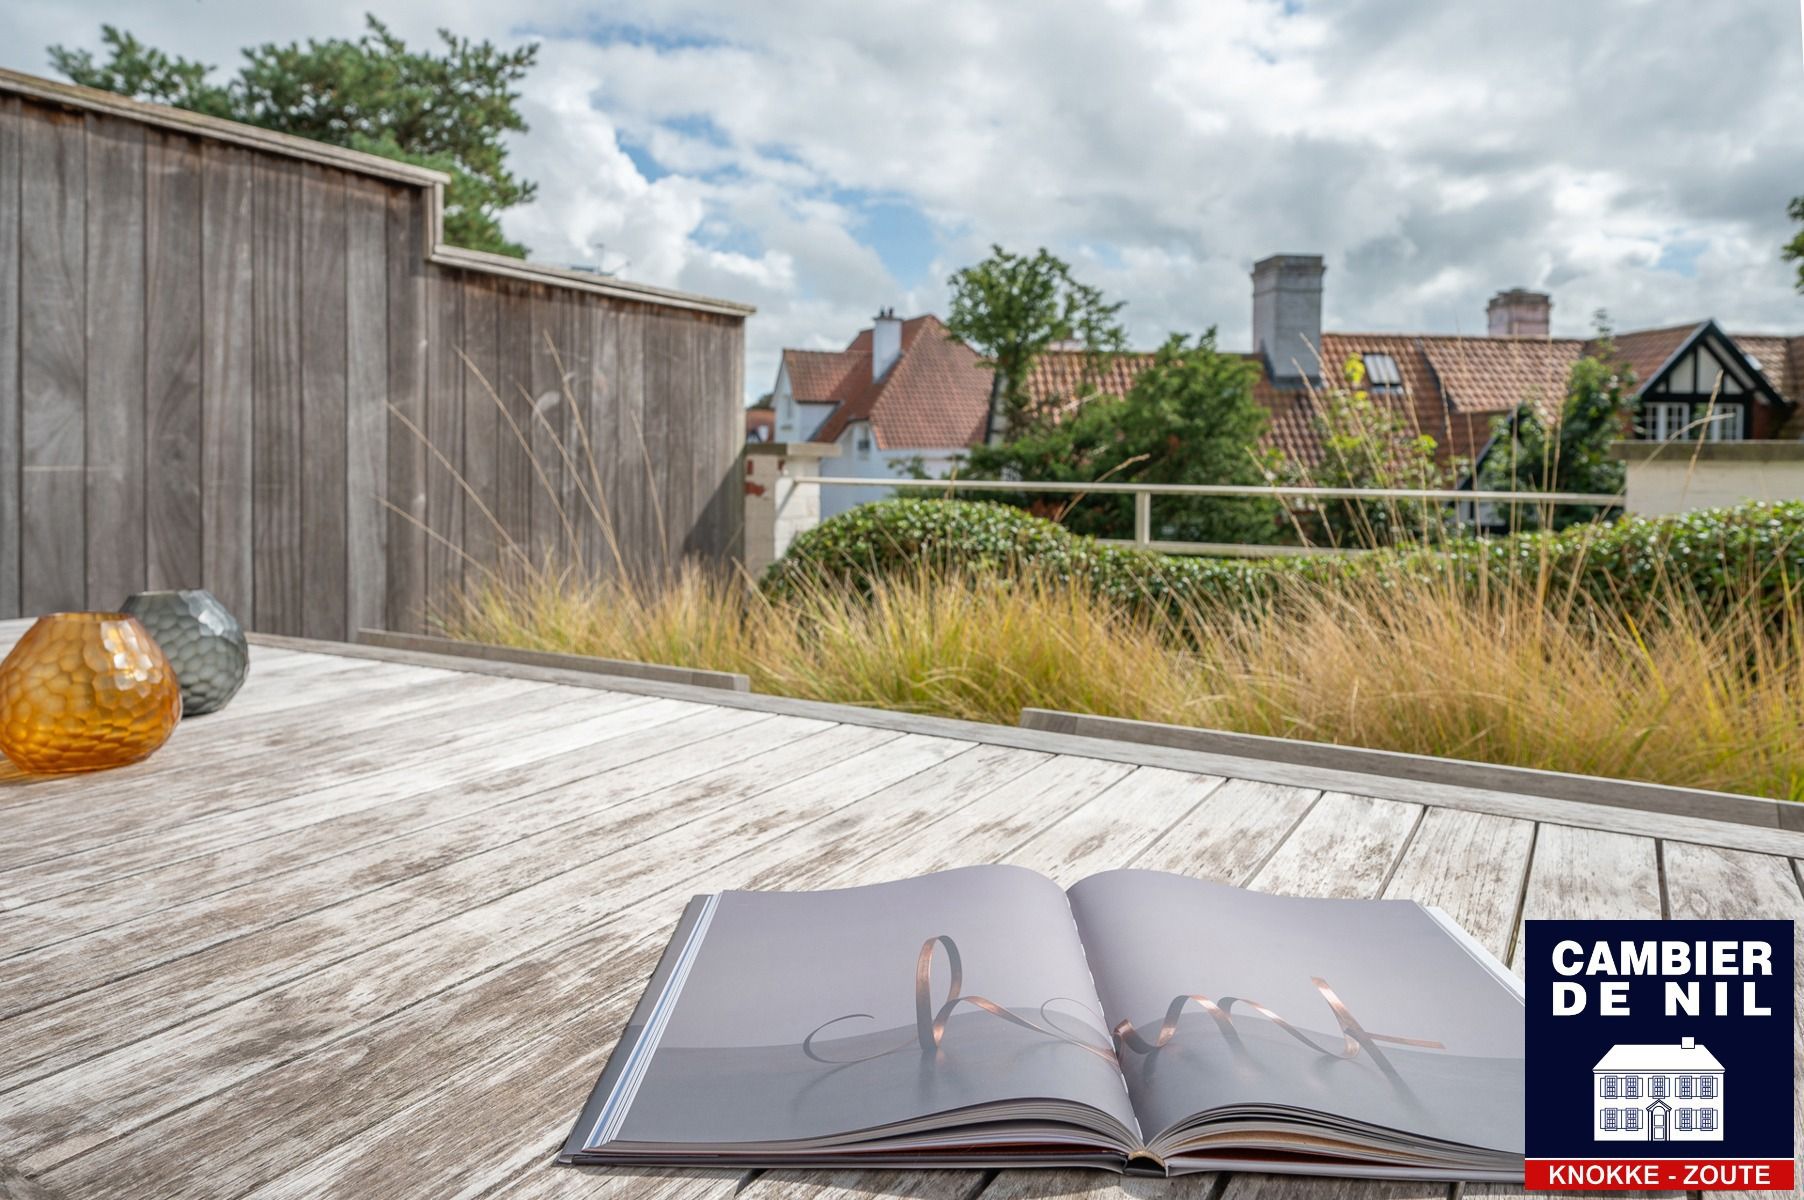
[[539, 1088], [11, 133], [145, 877], [1472, 865], [1131, 815], [115, 426], [366, 405], [228, 355], [422, 720], [1346, 847], [407, 300], [483, 429], [1232, 833], [1589, 874], [445, 462], [908, 1185], [566, 887], [173, 337], [633, 479], [324, 416], [276, 401], [992, 827], [1095, 1185], [550, 525], [53, 362], [665, 359], [614, 1183], [548, 800], [1706, 883], [515, 484]]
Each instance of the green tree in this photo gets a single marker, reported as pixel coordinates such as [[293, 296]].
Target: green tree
[[1571, 453], [449, 111], [1368, 443], [1190, 417], [1794, 249], [1011, 308]]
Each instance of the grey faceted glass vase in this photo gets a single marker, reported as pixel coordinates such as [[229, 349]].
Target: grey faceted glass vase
[[203, 642]]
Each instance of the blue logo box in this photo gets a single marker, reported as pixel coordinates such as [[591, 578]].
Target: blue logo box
[[1659, 1039]]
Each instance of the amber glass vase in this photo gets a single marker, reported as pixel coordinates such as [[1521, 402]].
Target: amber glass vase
[[85, 691]]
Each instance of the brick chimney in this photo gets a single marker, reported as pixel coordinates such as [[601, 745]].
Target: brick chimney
[[1519, 313], [886, 343], [1287, 315]]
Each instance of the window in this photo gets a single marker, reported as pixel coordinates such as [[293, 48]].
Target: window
[[863, 443], [1706, 1119], [1610, 1118], [1721, 422], [1665, 420], [1382, 374], [1609, 1087], [1657, 1086], [1631, 1118], [1684, 1118], [1684, 1087], [1631, 1086], [1707, 1086]]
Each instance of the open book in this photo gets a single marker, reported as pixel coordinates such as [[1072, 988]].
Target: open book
[[1141, 1022]]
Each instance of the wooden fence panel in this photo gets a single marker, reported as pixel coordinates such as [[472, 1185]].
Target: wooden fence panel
[[227, 364], [479, 362], [445, 435], [276, 434], [10, 132], [407, 300], [228, 250], [53, 362], [115, 369], [366, 404], [173, 309], [323, 563], [513, 467]]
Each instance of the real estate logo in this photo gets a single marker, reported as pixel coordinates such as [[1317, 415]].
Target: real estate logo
[[1659, 1055]]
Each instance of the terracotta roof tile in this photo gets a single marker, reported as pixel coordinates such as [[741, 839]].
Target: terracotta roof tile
[[826, 376], [936, 395], [1453, 386], [1645, 351]]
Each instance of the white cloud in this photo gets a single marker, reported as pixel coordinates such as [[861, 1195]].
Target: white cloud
[[1629, 154]]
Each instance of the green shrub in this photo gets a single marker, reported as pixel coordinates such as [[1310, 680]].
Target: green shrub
[[1723, 556]]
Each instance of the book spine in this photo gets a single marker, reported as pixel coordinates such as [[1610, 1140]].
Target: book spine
[[635, 1028]]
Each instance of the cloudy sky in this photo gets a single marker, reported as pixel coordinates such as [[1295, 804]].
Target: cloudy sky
[[822, 159]]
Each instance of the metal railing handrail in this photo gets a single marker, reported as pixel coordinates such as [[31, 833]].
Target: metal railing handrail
[[1598, 499], [1143, 494]]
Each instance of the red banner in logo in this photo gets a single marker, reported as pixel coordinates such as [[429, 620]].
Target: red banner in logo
[[1656, 1174]]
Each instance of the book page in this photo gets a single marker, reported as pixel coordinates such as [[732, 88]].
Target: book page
[[811, 1015], [1365, 1011]]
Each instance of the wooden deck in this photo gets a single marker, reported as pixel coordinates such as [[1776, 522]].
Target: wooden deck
[[372, 930]]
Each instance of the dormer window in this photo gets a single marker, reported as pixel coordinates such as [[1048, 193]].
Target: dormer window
[[862, 443], [1382, 374]]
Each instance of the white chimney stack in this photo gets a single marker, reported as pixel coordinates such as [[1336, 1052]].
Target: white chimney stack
[[1287, 315], [886, 343], [1686, 1043], [1519, 313]]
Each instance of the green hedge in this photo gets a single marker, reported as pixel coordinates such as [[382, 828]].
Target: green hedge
[[1714, 552]]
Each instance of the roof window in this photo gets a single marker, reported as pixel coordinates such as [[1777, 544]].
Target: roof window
[[1382, 373]]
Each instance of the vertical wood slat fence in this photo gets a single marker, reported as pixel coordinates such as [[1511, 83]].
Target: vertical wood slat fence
[[203, 326]]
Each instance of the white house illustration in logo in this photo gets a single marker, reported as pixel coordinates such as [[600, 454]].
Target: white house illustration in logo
[[1671, 1093]]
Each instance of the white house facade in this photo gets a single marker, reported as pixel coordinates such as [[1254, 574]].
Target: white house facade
[[1657, 1093], [902, 392]]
